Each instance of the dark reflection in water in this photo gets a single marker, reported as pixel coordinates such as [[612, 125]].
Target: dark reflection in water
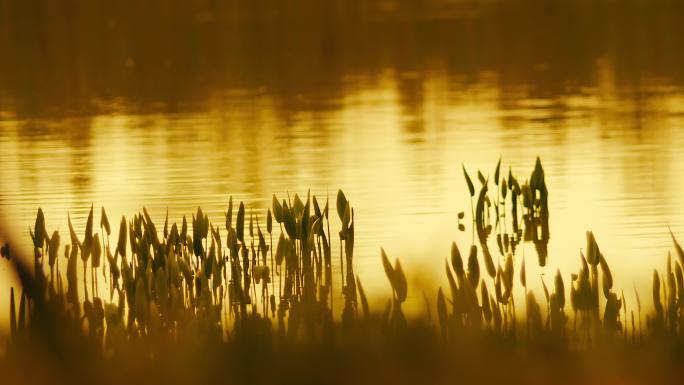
[[174, 104], [88, 57]]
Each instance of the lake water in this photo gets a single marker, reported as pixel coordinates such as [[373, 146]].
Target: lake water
[[171, 108]]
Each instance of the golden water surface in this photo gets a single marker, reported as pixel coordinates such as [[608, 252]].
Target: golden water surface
[[170, 107]]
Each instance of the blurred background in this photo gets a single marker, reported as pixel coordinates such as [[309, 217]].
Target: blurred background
[[173, 104]]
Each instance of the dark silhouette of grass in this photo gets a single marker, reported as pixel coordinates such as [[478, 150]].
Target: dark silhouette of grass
[[202, 303]]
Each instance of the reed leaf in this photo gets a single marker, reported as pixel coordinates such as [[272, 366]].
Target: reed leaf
[[442, 312], [364, 300], [508, 271], [593, 252], [289, 221], [166, 224], [104, 221], [481, 178], [489, 261], [13, 315], [39, 228], [121, 245], [401, 285], [486, 306], [678, 248], [53, 248], [341, 204], [89, 227], [656, 293], [97, 251], [251, 224], [452, 282], [269, 222], [559, 289], [74, 238], [496, 172], [229, 213], [607, 278], [457, 261], [387, 265], [546, 290], [281, 249], [523, 276], [473, 267], [240, 223], [471, 188]]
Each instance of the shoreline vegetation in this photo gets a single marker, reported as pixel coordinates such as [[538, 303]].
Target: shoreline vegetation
[[250, 302]]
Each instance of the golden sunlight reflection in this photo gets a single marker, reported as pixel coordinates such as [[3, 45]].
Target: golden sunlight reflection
[[387, 108], [404, 181]]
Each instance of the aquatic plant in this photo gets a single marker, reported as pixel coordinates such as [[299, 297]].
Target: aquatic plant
[[198, 283]]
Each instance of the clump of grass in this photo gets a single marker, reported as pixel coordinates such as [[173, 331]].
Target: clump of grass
[[198, 285]]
